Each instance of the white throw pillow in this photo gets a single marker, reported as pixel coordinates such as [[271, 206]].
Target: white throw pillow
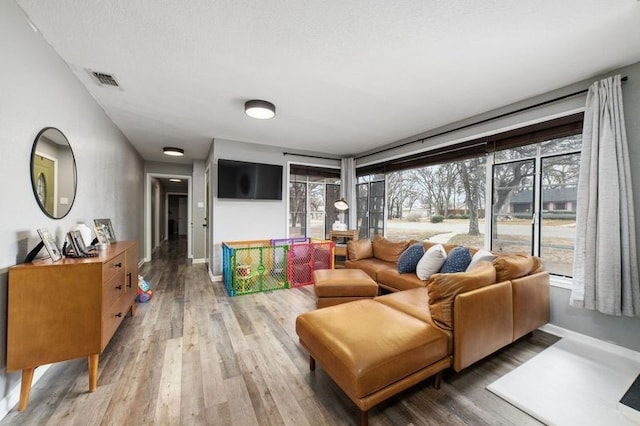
[[481, 254], [431, 262]]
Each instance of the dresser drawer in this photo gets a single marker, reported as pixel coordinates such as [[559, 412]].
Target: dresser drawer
[[113, 315], [113, 266], [113, 289]]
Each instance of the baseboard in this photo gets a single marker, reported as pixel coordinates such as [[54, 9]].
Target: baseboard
[[202, 260], [214, 278], [608, 346], [8, 402]]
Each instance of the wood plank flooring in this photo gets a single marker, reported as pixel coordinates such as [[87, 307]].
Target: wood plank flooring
[[194, 356]]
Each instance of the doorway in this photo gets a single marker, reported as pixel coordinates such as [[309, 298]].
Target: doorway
[[158, 188], [177, 216]]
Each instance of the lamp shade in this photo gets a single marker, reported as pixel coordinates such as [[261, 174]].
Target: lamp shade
[[175, 152], [262, 110], [341, 205]]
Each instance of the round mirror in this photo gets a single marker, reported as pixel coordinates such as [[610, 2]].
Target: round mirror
[[53, 173]]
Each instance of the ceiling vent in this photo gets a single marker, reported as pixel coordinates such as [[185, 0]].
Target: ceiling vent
[[104, 79]]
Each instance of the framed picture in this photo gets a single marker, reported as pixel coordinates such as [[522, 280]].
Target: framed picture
[[50, 244], [77, 236], [108, 228], [72, 249], [101, 234]]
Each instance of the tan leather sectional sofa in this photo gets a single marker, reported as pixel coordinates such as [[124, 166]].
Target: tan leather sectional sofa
[[375, 348]]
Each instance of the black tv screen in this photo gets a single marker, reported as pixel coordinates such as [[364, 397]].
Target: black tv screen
[[253, 181]]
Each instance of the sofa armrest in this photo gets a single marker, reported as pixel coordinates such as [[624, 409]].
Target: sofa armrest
[[482, 323], [530, 303]]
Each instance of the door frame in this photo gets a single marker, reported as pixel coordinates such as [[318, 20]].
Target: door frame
[[147, 217]]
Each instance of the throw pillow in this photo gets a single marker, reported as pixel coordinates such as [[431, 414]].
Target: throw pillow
[[431, 262], [457, 260], [481, 254], [409, 258]]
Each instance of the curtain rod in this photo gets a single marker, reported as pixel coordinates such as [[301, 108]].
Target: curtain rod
[[486, 120], [310, 156]]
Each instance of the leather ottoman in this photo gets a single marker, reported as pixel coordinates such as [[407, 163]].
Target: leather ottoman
[[335, 286], [373, 351]]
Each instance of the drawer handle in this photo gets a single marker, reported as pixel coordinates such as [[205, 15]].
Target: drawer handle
[[129, 283], [119, 314], [119, 287], [119, 265]]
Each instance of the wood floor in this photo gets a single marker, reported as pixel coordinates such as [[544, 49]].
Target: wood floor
[[194, 356]]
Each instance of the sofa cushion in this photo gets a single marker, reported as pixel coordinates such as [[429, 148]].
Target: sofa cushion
[[392, 280], [511, 266], [443, 289], [537, 265], [359, 249], [409, 258], [386, 250], [370, 266], [457, 260], [431, 262], [481, 254], [414, 302]]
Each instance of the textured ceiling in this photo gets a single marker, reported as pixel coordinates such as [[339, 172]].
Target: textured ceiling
[[346, 76]]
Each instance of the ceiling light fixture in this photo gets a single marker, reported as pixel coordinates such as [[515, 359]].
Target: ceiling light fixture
[[175, 180], [175, 152], [262, 110]]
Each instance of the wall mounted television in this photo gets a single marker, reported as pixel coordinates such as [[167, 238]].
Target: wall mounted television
[[251, 181]]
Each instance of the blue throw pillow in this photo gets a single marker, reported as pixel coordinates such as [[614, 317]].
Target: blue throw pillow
[[410, 257], [457, 260]]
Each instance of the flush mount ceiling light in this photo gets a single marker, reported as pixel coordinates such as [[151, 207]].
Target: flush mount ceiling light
[[175, 180], [262, 110], [175, 152]]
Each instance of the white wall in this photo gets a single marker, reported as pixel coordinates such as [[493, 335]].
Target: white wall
[[198, 210], [37, 90], [235, 220]]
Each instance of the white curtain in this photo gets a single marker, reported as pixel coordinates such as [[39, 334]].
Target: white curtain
[[348, 189], [605, 269]]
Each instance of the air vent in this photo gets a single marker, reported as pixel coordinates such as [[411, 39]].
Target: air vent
[[104, 79]]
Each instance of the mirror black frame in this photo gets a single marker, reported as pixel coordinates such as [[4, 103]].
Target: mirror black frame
[[32, 177]]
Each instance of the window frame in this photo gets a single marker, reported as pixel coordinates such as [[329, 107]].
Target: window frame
[[313, 175], [535, 134]]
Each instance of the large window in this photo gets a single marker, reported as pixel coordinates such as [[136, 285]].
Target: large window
[[538, 215], [312, 192], [370, 192], [528, 178], [444, 202]]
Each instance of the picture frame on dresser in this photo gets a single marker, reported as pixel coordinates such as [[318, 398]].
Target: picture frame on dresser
[[111, 235], [50, 244], [101, 234]]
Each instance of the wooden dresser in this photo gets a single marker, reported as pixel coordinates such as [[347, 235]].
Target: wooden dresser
[[68, 309]]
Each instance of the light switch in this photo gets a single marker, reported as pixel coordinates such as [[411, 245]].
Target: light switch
[[64, 201], [200, 205]]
